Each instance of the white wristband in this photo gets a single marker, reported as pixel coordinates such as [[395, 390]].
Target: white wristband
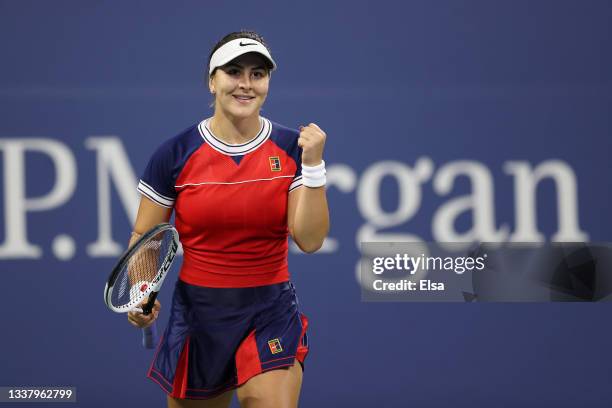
[[314, 176]]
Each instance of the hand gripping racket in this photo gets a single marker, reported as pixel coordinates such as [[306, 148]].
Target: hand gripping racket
[[140, 272]]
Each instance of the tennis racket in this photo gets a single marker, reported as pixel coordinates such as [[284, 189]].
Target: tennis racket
[[140, 272]]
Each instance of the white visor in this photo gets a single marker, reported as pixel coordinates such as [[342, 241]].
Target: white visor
[[236, 48]]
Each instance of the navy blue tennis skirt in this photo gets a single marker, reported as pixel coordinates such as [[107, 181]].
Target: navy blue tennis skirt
[[218, 338]]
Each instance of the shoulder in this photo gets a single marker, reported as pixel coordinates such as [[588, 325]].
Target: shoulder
[[170, 157], [283, 136], [283, 131], [157, 181], [174, 152], [187, 140]]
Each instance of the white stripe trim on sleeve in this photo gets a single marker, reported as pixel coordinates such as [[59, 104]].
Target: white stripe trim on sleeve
[[297, 182], [160, 199]]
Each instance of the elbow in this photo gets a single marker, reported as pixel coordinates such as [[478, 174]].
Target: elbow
[[310, 242], [311, 247]]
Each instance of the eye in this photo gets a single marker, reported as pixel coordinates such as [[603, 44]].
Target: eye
[[259, 74], [232, 71]]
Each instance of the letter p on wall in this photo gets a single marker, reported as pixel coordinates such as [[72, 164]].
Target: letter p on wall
[[16, 204]]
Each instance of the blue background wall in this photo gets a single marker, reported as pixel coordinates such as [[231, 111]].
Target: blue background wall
[[484, 81]]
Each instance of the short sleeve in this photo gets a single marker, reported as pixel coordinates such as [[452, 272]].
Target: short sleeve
[[157, 181], [297, 157]]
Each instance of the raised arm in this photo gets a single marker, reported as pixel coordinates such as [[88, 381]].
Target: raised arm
[[307, 212]]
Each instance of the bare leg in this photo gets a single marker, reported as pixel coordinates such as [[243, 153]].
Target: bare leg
[[221, 401], [278, 388]]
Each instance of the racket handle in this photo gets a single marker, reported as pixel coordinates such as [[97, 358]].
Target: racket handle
[[148, 308], [149, 336]]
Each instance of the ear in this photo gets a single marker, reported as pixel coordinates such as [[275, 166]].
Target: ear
[[211, 86]]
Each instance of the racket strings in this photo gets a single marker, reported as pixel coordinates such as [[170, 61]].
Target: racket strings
[[140, 270]]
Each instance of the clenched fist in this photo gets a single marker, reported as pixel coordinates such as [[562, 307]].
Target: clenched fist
[[312, 141]]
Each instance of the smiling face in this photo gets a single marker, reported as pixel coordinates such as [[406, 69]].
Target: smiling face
[[240, 86]]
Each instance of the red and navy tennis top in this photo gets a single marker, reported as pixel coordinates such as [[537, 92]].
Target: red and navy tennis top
[[230, 202]]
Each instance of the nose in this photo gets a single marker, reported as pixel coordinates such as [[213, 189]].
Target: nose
[[245, 80]]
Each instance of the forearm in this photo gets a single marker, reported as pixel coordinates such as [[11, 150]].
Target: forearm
[[311, 223]]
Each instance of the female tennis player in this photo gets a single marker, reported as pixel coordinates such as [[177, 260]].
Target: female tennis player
[[238, 184]]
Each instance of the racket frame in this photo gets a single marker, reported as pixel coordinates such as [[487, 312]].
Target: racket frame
[[155, 283]]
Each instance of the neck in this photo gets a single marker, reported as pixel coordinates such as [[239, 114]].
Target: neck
[[234, 130]]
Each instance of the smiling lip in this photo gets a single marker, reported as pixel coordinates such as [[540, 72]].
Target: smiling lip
[[243, 98]]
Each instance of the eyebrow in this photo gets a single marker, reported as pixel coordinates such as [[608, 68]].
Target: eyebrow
[[233, 64]]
